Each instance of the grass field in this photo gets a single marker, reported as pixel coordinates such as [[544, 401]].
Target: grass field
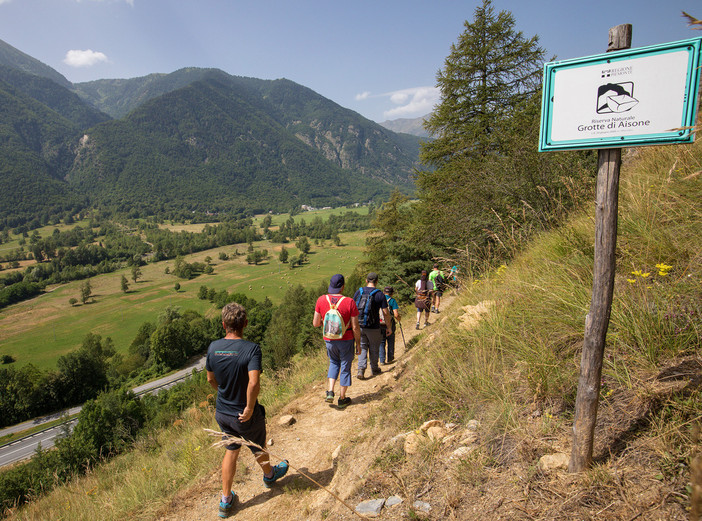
[[42, 329]]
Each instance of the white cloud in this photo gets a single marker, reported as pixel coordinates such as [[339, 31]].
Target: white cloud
[[359, 97], [87, 58], [5, 1], [413, 102]]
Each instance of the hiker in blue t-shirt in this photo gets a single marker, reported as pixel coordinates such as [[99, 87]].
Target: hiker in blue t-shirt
[[234, 369], [370, 301], [389, 339]]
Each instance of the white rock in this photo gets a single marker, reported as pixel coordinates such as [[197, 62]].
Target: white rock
[[436, 433], [270, 442], [393, 501], [421, 506], [371, 507], [431, 423], [412, 443], [473, 425], [461, 452], [553, 462], [286, 420]]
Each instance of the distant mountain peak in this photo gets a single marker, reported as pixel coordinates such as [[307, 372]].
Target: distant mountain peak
[[413, 126]]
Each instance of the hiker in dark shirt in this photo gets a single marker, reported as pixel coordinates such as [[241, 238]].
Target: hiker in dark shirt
[[234, 369], [370, 301]]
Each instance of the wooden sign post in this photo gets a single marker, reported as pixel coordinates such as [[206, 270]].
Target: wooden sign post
[[597, 320]]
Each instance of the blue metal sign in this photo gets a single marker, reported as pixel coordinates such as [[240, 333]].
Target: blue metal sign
[[635, 97]]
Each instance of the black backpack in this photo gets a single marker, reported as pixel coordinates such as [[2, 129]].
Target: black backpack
[[364, 299], [440, 282]]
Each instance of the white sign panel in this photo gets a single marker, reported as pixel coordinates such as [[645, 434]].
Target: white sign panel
[[642, 96]]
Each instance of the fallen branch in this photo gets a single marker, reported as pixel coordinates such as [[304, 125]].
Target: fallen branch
[[228, 439]]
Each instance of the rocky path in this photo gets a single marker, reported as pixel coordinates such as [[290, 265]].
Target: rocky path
[[324, 442]]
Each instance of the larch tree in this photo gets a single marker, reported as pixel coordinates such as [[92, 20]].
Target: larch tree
[[486, 178], [491, 71]]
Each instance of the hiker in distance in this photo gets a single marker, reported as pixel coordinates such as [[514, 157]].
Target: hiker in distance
[[342, 335], [438, 280], [423, 288], [370, 301], [388, 339], [234, 369]]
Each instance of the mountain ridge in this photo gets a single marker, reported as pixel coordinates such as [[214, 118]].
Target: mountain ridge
[[164, 142]]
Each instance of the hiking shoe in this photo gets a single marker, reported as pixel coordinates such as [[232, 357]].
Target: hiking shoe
[[225, 509], [330, 397], [376, 372], [392, 360], [278, 472], [360, 375], [426, 324], [344, 402], [417, 326]]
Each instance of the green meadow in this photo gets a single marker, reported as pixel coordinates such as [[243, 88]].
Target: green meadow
[[278, 219], [42, 329]]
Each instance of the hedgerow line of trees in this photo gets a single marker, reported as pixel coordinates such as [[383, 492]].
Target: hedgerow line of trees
[[105, 246]]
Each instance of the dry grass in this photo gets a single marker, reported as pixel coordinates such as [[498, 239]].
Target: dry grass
[[516, 369]]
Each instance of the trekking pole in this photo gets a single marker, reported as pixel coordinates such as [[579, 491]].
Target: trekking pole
[[403, 335]]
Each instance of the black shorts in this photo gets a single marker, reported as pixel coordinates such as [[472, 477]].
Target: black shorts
[[253, 430]]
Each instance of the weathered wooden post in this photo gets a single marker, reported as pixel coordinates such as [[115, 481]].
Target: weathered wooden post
[[597, 320]]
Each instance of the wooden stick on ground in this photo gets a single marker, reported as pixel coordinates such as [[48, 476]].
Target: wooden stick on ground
[[227, 439]]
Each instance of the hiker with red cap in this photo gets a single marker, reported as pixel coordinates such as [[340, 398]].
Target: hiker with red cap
[[339, 317]]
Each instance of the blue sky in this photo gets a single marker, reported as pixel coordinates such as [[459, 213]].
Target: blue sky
[[379, 58]]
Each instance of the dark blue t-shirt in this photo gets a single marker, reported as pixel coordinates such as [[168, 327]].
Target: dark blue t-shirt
[[231, 361], [377, 304]]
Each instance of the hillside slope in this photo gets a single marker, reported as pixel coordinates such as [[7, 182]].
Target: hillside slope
[[333, 447], [498, 369], [211, 147], [195, 140]]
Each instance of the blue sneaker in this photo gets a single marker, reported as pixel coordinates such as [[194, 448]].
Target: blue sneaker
[[225, 509], [278, 472]]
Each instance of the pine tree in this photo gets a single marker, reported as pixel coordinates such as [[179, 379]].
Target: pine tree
[[490, 72], [486, 170]]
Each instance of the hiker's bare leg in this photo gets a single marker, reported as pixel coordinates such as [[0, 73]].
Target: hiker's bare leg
[[438, 302], [263, 459], [228, 470], [332, 382], [343, 391]]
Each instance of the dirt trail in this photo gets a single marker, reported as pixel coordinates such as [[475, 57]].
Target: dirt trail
[[319, 431]]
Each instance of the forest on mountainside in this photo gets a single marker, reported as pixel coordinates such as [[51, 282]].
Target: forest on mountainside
[[190, 142]]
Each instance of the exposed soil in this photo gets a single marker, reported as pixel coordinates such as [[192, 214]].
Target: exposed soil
[[500, 480], [308, 444]]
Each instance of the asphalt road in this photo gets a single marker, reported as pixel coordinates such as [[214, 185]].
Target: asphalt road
[[24, 448]]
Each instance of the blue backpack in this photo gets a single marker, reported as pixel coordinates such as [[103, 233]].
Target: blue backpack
[[363, 303]]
